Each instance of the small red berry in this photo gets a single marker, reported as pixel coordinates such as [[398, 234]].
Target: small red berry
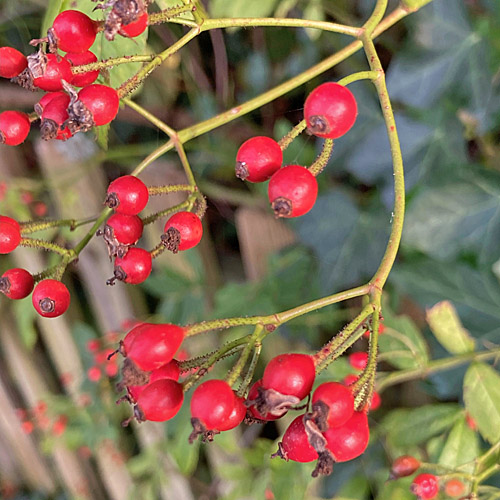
[[252, 396], [381, 330], [10, 234], [350, 379], [471, 423], [136, 27], [349, 440], [14, 127], [12, 62], [358, 360], [212, 403], [376, 401], [339, 401], [134, 267], [292, 191], [330, 110], [295, 444], [425, 486], [290, 374], [94, 374], [50, 298], [127, 195], [153, 346], [46, 98], [182, 231], [56, 69], [236, 416], [170, 371], [454, 488], [72, 31], [59, 425], [404, 466], [102, 102], [54, 114], [93, 345], [111, 369], [258, 159], [79, 59], [127, 229], [16, 283], [160, 401], [27, 427]]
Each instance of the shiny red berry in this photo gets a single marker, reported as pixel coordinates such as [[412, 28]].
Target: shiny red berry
[[182, 231], [14, 127], [330, 110], [53, 117], [403, 466], [134, 267], [127, 229], [252, 396], [375, 402], [290, 374], [295, 445], [12, 62], [56, 70], [79, 59], [72, 31], [10, 220], [136, 27], [292, 191], [425, 486], [338, 400], [169, 371], [127, 195], [50, 298], [102, 102], [349, 440], [454, 488], [358, 360], [236, 416], [212, 403], [16, 283], [153, 346], [10, 234], [160, 400], [46, 98], [258, 158]]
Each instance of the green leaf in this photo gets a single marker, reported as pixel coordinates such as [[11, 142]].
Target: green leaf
[[314, 12], [396, 490], [242, 8], [407, 427], [482, 399], [461, 447], [102, 135], [446, 326]]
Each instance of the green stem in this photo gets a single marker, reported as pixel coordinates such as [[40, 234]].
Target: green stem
[[287, 139], [150, 117], [167, 14], [108, 63], [90, 234], [493, 452], [44, 245], [356, 77], [251, 369], [375, 18], [440, 365], [170, 188], [167, 211], [33, 227], [322, 160], [185, 163]]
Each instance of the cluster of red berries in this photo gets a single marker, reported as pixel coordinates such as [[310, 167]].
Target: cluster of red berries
[[330, 111], [37, 418], [127, 196], [425, 486], [63, 110]]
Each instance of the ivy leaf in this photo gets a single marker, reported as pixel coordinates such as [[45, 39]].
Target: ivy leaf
[[447, 328], [461, 447], [482, 399]]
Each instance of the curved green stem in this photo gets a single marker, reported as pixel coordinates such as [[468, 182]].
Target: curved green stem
[[150, 117], [287, 139], [48, 246], [375, 18], [356, 77], [322, 160]]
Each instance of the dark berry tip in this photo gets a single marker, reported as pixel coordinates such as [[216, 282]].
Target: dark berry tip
[[171, 239], [4, 285], [241, 170], [324, 465], [282, 207], [318, 124], [47, 305], [111, 200], [48, 129]]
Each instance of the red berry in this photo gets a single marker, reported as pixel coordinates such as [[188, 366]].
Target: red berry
[[50, 298], [236, 416], [258, 159], [252, 395], [93, 345], [358, 360], [102, 102], [339, 400], [376, 401], [14, 127], [79, 59], [16, 283], [330, 110], [290, 374], [425, 486], [56, 69], [127, 195], [169, 371], [349, 440], [160, 400], [72, 31], [350, 379], [12, 62], [46, 98], [136, 27], [212, 403], [10, 234], [59, 425], [454, 488], [403, 466], [127, 229], [27, 427], [54, 114], [111, 369], [295, 445], [134, 267], [182, 231], [154, 345], [292, 191]]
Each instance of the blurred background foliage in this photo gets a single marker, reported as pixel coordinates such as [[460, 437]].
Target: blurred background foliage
[[443, 72]]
